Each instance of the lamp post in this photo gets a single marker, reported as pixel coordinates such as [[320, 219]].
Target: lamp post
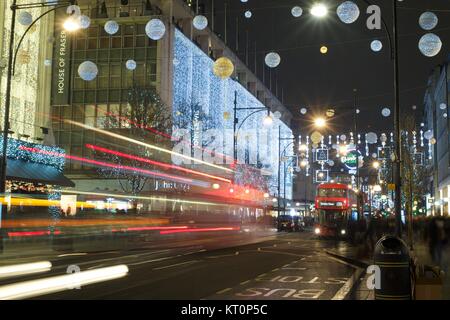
[[267, 121], [12, 54]]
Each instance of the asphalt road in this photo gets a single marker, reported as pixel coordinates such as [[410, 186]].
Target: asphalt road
[[235, 265]]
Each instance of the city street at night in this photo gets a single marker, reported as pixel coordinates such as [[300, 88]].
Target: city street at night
[[224, 158]]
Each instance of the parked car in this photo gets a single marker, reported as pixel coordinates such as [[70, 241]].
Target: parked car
[[290, 223]]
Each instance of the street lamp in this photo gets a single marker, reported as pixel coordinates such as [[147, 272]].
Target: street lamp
[[268, 120], [320, 122], [12, 55], [319, 10]]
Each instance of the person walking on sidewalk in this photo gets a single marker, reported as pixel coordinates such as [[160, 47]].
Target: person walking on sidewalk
[[437, 239]]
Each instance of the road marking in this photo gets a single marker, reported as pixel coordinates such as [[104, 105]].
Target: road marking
[[72, 254], [176, 265], [245, 282], [223, 291], [292, 268], [149, 261]]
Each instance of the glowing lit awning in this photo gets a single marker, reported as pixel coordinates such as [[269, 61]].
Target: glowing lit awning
[[37, 173]]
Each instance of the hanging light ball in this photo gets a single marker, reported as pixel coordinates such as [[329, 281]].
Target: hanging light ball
[[330, 113], [358, 111], [428, 21], [277, 115], [414, 107], [223, 68], [88, 71], [316, 137], [430, 45], [85, 22], [303, 110], [330, 163], [343, 137], [348, 12], [155, 29], [386, 112], [47, 62], [200, 22], [297, 11], [374, 155], [371, 138], [111, 27], [272, 59], [244, 1], [442, 106], [445, 115], [428, 135], [376, 45], [131, 65], [433, 141], [323, 50], [25, 18], [248, 14]]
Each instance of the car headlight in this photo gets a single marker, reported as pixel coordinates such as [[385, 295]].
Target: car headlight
[[317, 231], [343, 231]]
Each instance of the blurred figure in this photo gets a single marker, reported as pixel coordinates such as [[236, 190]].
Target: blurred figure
[[438, 240]]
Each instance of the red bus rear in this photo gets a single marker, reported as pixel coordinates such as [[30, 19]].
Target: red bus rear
[[336, 205]]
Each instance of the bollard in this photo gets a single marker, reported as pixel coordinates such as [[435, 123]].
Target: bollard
[[392, 256]]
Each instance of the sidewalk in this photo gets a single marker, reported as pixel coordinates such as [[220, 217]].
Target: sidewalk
[[359, 256]]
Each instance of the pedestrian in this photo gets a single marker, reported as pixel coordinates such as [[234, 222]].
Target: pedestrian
[[437, 239]]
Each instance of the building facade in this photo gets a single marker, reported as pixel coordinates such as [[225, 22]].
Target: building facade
[[437, 125]]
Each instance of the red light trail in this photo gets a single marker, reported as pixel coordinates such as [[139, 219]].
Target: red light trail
[[160, 164]]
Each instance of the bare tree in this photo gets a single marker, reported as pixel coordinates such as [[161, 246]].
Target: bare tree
[[146, 119]]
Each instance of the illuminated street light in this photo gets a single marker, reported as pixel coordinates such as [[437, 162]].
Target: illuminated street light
[[319, 10], [320, 122], [376, 164], [268, 120], [72, 24], [303, 163]]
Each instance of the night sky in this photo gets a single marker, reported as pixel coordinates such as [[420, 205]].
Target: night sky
[[310, 79]]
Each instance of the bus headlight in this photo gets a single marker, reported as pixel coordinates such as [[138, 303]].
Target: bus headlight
[[317, 231], [343, 231]]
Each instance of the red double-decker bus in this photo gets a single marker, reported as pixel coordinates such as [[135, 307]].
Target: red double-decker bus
[[339, 210]]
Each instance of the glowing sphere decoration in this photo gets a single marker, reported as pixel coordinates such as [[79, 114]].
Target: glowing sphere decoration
[[244, 1], [223, 68], [371, 138], [330, 163], [277, 115], [443, 106], [445, 115], [330, 113], [155, 29], [358, 111], [433, 141], [343, 137], [348, 12], [316, 137], [374, 155], [428, 21], [272, 60], [297, 11], [386, 112], [200, 22], [25, 18], [323, 50], [85, 22], [248, 14], [428, 135], [111, 27], [303, 110], [430, 45], [47, 62], [376, 45], [131, 65], [88, 71]]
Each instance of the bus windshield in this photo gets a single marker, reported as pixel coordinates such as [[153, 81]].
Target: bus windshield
[[333, 193], [330, 216]]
